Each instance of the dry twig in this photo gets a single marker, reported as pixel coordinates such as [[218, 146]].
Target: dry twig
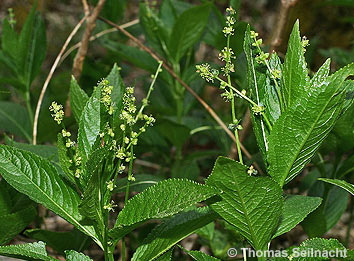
[[45, 85], [189, 89]]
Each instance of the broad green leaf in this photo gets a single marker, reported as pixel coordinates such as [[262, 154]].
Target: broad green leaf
[[164, 199], [116, 81], [187, 30], [328, 213], [90, 124], [72, 255], [141, 182], [61, 241], [12, 224], [340, 183], [300, 130], [296, 208], [14, 119], [31, 251], [321, 75], [173, 230], [252, 204], [9, 39], [78, 99], [295, 74], [5, 200], [38, 179], [320, 245], [32, 47], [198, 255]]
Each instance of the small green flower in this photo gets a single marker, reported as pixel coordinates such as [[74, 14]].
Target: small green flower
[[257, 109], [252, 171], [58, 113], [110, 185], [206, 72]]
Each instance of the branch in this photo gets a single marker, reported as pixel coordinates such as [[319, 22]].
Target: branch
[[280, 26], [189, 89], [45, 85], [90, 26]]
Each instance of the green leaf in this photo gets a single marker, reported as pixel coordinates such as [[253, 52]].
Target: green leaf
[[300, 130], [14, 119], [31, 251], [311, 246], [296, 208], [32, 46], [164, 199], [252, 204], [340, 183], [328, 213], [173, 230], [187, 30], [90, 124], [78, 99], [9, 39], [141, 182], [167, 256], [38, 179], [72, 255], [198, 255], [294, 75], [321, 75], [116, 81], [61, 241], [12, 224], [64, 159]]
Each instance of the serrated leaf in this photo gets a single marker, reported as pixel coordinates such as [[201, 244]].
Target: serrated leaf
[[14, 119], [72, 255], [31, 251], [187, 30], [252, 204], [198, 255], [38, 179], [12, 224], [295, 74], [90, 124], [319, 245], [167, 256], [173, 230], [164, 199], [78, 99], [300, 130], [340, 183], [296, 208], [61, 241], [32, 46], [321, 75], [116, 81]]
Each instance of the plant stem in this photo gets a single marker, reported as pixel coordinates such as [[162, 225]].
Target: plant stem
[[28, 105], [233, 111], [127, 192]]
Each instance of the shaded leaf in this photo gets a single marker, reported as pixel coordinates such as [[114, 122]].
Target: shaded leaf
[[340, 183], [31, 251], [141, 182], [296, 208], [173, 230], [72, 255]]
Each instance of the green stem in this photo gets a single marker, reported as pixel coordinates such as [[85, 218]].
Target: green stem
[[127, 192], [28, 105], [233, 111]]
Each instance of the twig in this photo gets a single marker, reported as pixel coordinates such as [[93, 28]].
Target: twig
[[90, 26], [283, 17], [45, 85], [98, 35], [189, 89]]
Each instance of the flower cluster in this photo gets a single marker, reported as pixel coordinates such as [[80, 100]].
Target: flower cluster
[[230, 21], [12, 20], [304, 42], [262, 56], [257, 109], [252, 171], [206, 72], [128, 112], [106, 96], [58, 113]]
